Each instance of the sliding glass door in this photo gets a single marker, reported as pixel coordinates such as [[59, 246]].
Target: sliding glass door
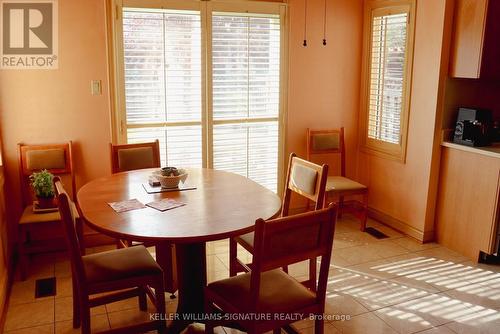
[[205, 78]]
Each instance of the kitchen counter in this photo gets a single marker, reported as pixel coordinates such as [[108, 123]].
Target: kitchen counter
[[490, 151]]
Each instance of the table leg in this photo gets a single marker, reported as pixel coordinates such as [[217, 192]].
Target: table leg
[[192, 279]]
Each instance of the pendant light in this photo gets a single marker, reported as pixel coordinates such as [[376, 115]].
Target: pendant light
[[305, 24], [324, 27]]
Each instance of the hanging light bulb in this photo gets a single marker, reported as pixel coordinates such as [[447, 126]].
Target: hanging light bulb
[[305, 23], [324, 26]]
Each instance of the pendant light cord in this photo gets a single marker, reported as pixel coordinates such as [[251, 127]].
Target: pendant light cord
[[305, 23], [324, 26]]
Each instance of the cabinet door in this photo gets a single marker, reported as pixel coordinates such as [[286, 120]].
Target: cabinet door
[[468, 38]]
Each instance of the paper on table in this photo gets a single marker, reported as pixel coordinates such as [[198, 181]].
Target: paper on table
[[165, 204], [123, 206]]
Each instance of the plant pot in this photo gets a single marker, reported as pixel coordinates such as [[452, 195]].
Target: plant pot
[[46, 202]]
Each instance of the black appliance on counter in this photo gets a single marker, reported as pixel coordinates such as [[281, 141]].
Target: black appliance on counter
[[473, 127]]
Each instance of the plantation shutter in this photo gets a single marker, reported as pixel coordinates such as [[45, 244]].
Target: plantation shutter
[[162, 68], [387, 76], [246, 95]]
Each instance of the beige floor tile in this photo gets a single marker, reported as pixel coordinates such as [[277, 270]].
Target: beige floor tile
[[443, 253], [435, 309], [44, 329], [366, 323], [382, 269], [477, 294], [62, 269], [342, 304], [24, 292], [441, 274], [127, 317], [346, 224], [98, 323], [30, 315], [64, 309], [485, 321], [404, 321], [126, 304], [416, 284], [387, 248], [328, 328], [438, 330], [302, 324], [413, 245], [356, 255], [370, 292], [352, 239], [64, 287], [36, 271]]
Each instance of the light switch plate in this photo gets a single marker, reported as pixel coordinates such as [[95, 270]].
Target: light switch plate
[[96, 87]]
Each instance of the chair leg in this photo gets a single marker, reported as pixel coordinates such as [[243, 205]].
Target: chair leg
[[312, 274], [160, 305], [23, 257], [319, 326], [85, 315], [341, 206], [76, 306], [209, 324], [143, 302], [233, 257], [364, 216]]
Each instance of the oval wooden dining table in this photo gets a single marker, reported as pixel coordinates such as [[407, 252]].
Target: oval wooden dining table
[[223, 205]]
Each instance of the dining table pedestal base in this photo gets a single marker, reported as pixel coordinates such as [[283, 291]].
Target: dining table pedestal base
[[192, 279]]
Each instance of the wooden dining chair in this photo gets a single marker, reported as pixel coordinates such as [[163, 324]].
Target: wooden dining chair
[[58, 160], [268, 290], [134, 156], [303, 178], [332, 142], [129, 157], [120, 273]]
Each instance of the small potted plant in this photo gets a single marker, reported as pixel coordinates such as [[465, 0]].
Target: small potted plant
[[43, 188]]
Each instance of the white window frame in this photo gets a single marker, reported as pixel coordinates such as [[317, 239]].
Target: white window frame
[[373, 146], [118, 115]]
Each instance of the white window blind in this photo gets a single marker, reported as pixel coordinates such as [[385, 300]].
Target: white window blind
[[206, 84], [162, 65], [246, 95], [387, 77]]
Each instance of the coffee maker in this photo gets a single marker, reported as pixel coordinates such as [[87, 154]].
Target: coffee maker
[[473, 127]]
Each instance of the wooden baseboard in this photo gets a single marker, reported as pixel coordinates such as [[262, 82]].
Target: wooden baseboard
[[395, 223]]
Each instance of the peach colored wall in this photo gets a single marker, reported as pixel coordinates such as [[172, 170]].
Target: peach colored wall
[[56, 105], [44, 106], [402, 190], [324, 81]]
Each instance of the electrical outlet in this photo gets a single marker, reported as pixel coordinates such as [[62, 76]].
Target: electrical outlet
[[96, 87]]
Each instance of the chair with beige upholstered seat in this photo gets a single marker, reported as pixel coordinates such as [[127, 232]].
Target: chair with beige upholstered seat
[[128, 157], [114, 275], [270, 291], [134, 156], [332, 142], [58, 160], [303, 178]]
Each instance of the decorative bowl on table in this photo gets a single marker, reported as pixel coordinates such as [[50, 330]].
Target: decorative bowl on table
[[169, 177]]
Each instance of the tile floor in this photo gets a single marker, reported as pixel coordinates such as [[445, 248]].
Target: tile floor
[[395, 285]]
